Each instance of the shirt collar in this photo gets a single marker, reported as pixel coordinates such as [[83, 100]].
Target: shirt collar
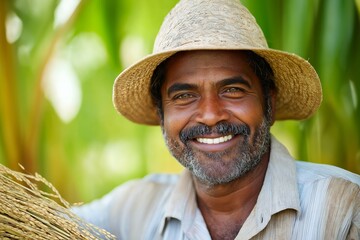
[[279, 192], [280, 184], [181, 204]]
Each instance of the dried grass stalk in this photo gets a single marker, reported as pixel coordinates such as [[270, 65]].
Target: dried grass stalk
[[26, 212]]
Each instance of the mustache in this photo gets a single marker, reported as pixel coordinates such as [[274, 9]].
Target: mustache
[[222, 128]]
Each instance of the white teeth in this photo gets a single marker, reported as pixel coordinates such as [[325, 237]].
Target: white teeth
[[215, 140]]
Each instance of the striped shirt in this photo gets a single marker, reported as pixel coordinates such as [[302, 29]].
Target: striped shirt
[[298, 200]]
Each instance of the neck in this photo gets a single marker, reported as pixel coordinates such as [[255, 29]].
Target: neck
[[230, 204]]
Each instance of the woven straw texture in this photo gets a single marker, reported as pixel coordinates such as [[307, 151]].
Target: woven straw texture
[[217, 25], [26, 212]]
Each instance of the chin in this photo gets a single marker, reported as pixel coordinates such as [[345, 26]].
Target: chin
[[222, 171]]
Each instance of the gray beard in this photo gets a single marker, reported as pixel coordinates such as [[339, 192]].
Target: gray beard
[[214, 168]]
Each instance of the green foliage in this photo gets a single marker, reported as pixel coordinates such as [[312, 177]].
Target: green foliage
[[91, 149]]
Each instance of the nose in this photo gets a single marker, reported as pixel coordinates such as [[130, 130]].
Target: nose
[[211, 111]]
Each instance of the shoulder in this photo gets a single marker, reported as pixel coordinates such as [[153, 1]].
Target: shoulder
[[151, 187], [130, 203], [312, 172], [328, 187], [329, 202]]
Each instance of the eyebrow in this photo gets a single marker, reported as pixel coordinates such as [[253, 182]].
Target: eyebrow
[[234, 80], [186, 86], [180, 87]]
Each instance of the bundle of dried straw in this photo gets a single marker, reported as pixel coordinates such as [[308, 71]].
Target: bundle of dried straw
[[26, 212]]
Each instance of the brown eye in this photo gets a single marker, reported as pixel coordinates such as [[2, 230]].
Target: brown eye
[[233, 92], [233, 89], [184, 96]]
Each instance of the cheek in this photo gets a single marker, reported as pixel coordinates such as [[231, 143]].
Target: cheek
[[174, 120], [250, 111]]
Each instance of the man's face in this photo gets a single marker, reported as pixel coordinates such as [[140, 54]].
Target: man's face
[[213, 107]]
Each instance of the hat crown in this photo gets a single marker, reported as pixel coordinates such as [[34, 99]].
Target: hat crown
[[202, 24]]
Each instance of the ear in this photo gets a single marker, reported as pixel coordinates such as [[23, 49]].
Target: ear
[[273, 95]]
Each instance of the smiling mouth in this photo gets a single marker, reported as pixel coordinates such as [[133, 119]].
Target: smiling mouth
[[215, 140]]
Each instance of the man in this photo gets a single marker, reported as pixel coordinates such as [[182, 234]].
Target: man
[[215, 88]]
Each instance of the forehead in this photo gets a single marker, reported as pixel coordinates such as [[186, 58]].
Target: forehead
[[216, 63]]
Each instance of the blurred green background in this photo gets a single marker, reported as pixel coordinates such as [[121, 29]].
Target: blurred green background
[[58, 60]]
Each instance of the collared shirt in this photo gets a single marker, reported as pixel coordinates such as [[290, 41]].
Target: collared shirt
[[298, 200]]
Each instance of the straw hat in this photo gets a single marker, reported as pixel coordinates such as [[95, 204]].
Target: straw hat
[[221, 25]]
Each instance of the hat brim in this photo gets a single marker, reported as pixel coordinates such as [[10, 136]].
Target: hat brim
[[298, 86]]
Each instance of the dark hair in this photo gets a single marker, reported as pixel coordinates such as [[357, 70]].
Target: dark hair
[[259, 65], [265, 73]]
